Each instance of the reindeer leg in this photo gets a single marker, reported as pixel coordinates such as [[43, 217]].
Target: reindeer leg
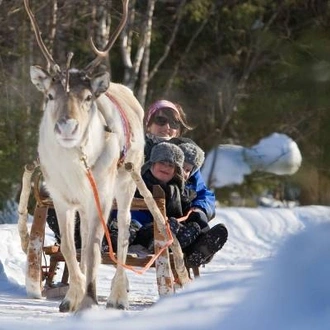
[[92, 259], [92, 251], [76, 290], [119, 287]]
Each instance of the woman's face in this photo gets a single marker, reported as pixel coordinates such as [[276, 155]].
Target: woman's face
[[163, 171], [163, 126]]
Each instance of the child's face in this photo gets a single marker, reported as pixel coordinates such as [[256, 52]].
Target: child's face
[[187, 168], [163, 171]]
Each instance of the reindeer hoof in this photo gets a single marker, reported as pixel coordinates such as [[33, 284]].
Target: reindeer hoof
[[116, 306], [65, 306]]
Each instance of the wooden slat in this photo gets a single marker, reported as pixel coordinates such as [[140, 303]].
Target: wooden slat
[[132, 258]]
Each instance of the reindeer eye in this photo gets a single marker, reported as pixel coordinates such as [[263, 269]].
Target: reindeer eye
[[50, 97], [89, 98]]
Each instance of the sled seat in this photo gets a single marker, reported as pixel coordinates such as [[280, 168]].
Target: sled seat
[[50, 289]]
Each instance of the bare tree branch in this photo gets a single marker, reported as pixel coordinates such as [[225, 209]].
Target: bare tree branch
[[170, 42]]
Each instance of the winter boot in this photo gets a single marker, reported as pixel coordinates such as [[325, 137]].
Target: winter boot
[[53, 224], [134, 227], [145, 236], [113, 229], [202, 251]]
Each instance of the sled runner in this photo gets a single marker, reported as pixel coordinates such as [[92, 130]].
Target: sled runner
[[45, 269]]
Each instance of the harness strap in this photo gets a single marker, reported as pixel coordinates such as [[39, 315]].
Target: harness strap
[[126, 127]]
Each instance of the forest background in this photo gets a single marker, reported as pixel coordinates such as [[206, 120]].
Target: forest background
[[240, 69]]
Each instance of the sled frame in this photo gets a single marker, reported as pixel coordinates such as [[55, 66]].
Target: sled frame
[[165, 280]]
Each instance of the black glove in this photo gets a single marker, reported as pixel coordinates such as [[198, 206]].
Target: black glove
[[200, 218], [174, 225], [188, 234]]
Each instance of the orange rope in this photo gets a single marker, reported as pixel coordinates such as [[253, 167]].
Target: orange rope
[[107, 234], [185, 217]]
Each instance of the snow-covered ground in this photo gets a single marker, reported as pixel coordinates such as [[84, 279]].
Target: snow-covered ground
[[273, 273]]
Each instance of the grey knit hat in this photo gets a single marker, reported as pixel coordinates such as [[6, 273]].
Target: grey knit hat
[[165, 152], [193, 155]]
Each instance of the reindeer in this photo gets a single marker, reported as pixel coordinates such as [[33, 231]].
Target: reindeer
[[88, 123]]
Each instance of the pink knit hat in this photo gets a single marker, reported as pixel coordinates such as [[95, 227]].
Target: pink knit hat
[[161, 104]]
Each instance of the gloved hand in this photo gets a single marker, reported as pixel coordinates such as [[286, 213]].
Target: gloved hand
[[188, 234], [174, 225], [200, 218]]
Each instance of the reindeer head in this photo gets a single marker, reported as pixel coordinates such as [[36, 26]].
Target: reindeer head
[[71, 110], [70, 93]]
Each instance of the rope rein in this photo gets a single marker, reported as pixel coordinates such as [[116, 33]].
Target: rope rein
[[185, 217]]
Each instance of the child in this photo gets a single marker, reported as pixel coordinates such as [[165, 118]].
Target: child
[[211, 240], [178, 198], [193, 160]]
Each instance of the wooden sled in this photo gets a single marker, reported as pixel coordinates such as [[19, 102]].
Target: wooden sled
[[166, 270]]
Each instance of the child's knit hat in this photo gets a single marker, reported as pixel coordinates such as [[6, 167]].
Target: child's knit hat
[[165, 152], [193, 155]]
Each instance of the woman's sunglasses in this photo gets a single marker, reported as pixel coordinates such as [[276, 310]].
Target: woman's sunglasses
[[161, 121]]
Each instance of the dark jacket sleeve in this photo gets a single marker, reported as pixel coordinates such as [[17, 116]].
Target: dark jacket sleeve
[[187, 197], [173, 201], [172, 194], [205, 198], [147, 148]]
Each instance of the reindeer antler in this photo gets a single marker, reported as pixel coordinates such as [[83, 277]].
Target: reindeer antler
[[52, 64], [100, 55]]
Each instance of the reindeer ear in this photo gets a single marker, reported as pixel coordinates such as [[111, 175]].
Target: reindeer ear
[[40, 78], [100, 83]]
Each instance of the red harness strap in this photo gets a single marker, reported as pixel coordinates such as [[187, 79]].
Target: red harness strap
[[126, 127]]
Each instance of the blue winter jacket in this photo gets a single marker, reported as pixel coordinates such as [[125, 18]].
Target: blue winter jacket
[[205, 198]]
